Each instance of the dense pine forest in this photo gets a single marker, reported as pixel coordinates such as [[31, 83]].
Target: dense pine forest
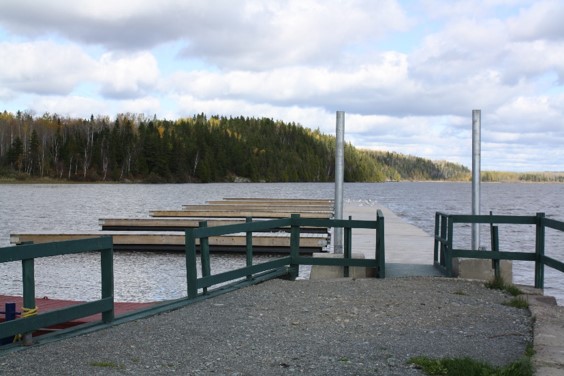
[[198, 149]]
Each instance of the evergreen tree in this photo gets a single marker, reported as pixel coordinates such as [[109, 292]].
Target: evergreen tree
[[16, 154]]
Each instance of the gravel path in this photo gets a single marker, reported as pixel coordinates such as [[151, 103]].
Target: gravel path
[[336, 327]]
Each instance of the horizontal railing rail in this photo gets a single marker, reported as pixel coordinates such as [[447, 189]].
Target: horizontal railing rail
[[286, 266], [444, 252], [34, 320]]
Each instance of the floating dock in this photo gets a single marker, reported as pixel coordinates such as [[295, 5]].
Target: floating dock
[[180, 224], [276, 242], [46, 304], [164, 229], [212, 212]]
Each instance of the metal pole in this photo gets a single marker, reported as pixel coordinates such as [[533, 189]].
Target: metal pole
[[339, 179], [476, 141]]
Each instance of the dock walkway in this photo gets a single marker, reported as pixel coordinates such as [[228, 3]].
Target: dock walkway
[[409, 250]]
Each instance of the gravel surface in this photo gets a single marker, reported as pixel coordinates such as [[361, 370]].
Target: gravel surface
[[336, 327]]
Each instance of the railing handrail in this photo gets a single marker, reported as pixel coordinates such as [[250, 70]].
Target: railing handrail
[[67, 247], [444, 250], [28, 253], [491, 219], [283, 266]]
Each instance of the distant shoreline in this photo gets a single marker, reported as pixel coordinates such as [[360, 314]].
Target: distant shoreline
[[9, 181]]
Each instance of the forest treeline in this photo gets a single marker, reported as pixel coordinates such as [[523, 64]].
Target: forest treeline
[[529, 177], [136, 148]]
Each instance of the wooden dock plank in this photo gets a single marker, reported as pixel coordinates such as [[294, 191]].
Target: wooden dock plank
[[172, 240], [272, 202], [180, 224], [236, 214], [161, 224], [261, 207], [282, 200], [276, 205]]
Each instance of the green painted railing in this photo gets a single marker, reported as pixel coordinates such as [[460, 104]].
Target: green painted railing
[[287, 267], [282, 267], [27, 253], [444, 233]]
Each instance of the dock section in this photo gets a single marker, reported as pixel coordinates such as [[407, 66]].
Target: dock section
[[239, 213], [409, 250], [46, 304], [165, 230], [181, 224], [278, 242]]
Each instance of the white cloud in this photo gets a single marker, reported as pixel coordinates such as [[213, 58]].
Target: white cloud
[[71, 105], [297, 84], [128, 76], [531, 60], [313, 117], [459, 51], [244, 34], [49, 68], [543, 20], [277, 34], [43, 67], [146, 105]]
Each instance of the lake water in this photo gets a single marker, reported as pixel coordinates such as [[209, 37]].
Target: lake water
[[159, 276]]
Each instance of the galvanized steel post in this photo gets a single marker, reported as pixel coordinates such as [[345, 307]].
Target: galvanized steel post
[[476, 176], [339, 179]]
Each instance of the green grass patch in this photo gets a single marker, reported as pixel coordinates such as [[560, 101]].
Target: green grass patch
[[513, 290], [470, 367], [499, 284], [518, 302], [107, 365], [530, 350]]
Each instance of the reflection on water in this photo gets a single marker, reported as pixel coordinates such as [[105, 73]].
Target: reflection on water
[[144, 276]]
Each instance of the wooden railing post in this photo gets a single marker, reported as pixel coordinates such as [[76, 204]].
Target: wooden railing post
[[448, 248], [347, 248], [444, 223], [539, 251], [380, 245], [249, 247], [205, 254], [494, 239], [495, 249], [294, 246], [29, 308], [107, 270], [436, 243], [191, 267]]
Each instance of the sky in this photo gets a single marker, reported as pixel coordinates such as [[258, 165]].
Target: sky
[[407, 73]]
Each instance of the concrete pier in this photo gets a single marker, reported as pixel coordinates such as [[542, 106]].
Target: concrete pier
[[405, 243], [409, 250]]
